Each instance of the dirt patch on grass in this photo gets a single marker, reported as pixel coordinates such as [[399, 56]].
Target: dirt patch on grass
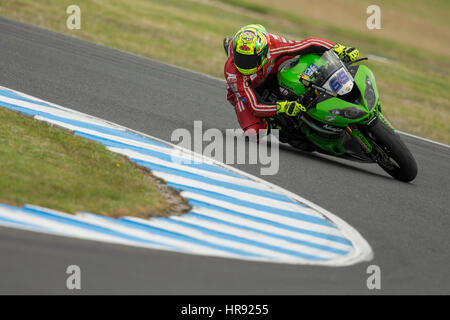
[[175, 204]]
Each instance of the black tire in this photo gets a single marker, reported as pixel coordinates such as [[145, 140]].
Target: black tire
[[404, 165]]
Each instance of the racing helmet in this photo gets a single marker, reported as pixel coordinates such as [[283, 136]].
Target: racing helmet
[[250, 48]]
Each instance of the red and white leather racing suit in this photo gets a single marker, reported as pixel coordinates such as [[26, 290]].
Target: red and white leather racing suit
[[250, 110]]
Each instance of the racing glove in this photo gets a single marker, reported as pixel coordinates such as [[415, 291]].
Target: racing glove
[[348, 54], [290, 108], [226, 43]]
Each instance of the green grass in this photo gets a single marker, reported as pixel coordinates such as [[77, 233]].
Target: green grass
[[53, 168], [250, 6], [415, 89]]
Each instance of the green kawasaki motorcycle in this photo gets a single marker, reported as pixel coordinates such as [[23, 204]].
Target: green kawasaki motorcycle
[[344, 116]]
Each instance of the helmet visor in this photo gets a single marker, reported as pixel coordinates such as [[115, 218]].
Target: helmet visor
[[246, 61]]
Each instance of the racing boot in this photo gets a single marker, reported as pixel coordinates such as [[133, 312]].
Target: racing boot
[[282, 134]]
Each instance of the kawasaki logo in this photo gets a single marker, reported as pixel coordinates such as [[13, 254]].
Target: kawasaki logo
[[331, 128]]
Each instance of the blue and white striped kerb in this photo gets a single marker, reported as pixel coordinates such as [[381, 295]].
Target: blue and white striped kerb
[[233, 215]]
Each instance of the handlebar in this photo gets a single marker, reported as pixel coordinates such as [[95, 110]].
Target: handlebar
[[358, 60]]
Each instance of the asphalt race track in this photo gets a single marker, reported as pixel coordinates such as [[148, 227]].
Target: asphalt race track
[[406, 224]]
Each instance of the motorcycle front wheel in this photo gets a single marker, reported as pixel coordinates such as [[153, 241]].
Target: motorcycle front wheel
[[394, 157]]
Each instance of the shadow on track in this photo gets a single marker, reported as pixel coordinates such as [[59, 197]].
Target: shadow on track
[[330, 161]]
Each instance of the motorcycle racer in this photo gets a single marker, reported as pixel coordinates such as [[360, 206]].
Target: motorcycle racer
[[254, 59]]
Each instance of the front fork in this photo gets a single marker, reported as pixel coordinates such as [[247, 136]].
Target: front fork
[[358, 136], [365, 144]]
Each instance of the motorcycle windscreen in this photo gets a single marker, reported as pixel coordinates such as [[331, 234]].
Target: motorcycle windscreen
[[341, 82]]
